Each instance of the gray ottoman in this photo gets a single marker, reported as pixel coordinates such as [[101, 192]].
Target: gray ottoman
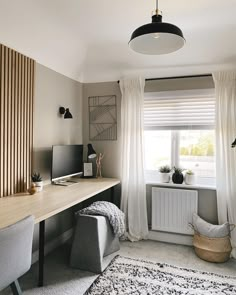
[[93, 239]]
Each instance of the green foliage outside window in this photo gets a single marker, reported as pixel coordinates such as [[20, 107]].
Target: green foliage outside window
[[204, 147]]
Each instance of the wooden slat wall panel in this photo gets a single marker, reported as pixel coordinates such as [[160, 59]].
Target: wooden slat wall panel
[[16, 120], [1, 118]]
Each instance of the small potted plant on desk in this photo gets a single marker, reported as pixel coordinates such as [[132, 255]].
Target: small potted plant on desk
[[189, 177], [178, 176], [37, 180], [164, 172]]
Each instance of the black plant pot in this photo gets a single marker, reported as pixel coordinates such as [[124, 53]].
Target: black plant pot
[[177, 178]]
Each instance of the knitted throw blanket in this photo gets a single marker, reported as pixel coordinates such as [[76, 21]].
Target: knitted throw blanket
[[115, 216]]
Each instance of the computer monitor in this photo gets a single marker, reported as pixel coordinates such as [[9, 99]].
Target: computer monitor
[[67, 161]]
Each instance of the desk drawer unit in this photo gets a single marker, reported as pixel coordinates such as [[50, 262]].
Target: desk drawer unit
[[172, 209]]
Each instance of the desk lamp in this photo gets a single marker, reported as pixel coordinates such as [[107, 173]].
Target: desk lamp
[[92, 156]]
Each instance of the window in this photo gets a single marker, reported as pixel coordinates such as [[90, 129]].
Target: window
[[197, 151], [179, 131], [157, 149]]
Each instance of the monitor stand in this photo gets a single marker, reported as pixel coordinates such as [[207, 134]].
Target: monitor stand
[[75, 179], [65, 182]]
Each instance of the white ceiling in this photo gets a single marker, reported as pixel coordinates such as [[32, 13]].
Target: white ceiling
[[87, 39]]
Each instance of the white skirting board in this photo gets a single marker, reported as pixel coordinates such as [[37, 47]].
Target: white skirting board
[[50, 246], [170, 238], [153, 235]]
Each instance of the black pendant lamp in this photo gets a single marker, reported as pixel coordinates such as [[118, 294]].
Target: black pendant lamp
[[157, 37]]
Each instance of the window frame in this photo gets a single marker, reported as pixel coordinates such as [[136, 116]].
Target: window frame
[[175, 130], [175, 161]]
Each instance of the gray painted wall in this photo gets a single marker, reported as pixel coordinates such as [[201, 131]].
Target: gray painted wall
[[111, 149], [111, 164], [53, 90]]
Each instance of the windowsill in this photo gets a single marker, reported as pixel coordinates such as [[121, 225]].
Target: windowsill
[[170, 184]]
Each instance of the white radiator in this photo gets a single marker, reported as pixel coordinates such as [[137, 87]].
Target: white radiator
[[172, 209]]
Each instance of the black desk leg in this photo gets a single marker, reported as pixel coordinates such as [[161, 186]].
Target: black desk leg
[[15, 288], [41, 252], [113, 194]]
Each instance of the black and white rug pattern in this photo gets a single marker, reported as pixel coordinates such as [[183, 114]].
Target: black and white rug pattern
[[133, 276]]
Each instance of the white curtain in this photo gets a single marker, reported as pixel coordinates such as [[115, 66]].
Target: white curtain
[[133, 199], [225, 85]]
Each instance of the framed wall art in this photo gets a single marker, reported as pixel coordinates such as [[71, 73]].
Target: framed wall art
[[102, 117]]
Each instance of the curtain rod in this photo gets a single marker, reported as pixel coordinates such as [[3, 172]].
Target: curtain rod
[[177, 77]]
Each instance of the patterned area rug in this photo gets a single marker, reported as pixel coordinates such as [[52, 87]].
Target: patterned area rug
[[132, 276]]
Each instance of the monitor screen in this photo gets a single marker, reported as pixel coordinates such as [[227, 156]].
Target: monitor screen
[[67, 160]]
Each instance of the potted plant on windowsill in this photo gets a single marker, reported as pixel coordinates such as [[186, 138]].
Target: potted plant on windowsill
[[178, 176], [189, 177], [164, 172], [37, 180]]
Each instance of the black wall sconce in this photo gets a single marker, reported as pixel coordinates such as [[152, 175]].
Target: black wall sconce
[[66, 112], [233, 143]]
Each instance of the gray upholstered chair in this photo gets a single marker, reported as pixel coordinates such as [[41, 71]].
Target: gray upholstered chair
[[15, 252], [93, 239]]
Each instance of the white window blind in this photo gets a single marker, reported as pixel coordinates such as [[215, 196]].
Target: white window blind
[[188, 109]]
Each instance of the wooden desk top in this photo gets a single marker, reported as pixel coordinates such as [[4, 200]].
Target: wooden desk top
[[52, 200]]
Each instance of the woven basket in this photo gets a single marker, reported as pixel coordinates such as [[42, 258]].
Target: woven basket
[[212, 249]]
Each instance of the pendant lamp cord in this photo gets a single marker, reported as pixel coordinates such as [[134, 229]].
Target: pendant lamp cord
[[156, 4]]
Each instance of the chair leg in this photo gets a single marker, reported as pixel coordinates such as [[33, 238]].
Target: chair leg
[[15, 287]]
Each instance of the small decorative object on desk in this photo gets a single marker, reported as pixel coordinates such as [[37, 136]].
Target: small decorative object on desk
[[99, 164], [177, 176], [189, 177], [164, 172], [88, 169], [37, 180], [32, 190]]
